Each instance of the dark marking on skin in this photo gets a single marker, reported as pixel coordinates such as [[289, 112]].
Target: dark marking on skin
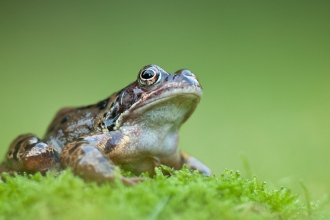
[[138, 96], [18, 146], [174, 76], [65, 119], [80, 139], [115, 118], [56, 153], [30, 146], [102, 125], [113, 112], [110, 123], [89, 128], [102, 104], [117, 139], [110, 128], [104, 115], [75, 147], [112, 104]]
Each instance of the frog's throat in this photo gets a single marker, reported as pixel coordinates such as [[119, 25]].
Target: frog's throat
[[176, 96]]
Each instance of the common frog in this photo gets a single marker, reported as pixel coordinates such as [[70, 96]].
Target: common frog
[[135, 129]]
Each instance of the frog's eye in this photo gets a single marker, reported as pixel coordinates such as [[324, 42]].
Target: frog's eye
[[149, 76]]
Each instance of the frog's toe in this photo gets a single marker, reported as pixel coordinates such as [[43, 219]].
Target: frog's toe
[[206, 172], [194, 164]]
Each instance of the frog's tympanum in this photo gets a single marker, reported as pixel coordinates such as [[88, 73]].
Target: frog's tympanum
[[135, 129]]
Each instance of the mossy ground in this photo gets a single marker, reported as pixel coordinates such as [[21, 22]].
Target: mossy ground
[[183, 195]]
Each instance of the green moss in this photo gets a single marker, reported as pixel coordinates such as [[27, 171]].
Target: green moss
[[183, 195]]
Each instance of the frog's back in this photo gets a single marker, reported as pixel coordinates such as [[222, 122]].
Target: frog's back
[[72, 123]]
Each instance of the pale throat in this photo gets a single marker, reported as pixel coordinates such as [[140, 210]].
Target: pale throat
[[154, 130]]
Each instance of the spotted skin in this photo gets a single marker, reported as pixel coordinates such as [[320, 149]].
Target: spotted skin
[[28, 154], [135, 129]]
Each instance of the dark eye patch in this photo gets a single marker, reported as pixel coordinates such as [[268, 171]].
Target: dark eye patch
[[102, 104], [65, 119]]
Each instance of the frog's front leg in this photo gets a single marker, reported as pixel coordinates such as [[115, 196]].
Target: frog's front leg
[[29, 154], [194, 164], [87, 158]]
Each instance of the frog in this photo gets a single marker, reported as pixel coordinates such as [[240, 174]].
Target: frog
[[135, 130]]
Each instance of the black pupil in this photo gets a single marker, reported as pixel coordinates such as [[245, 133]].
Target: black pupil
[[147, 74]]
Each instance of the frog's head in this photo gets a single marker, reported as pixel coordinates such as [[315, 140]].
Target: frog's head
[[155, 99]]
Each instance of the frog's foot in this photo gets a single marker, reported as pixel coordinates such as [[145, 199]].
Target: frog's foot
[[28, 154], [88, 162], [194, 164]]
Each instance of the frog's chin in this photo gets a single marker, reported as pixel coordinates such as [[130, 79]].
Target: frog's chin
[[171, 108]]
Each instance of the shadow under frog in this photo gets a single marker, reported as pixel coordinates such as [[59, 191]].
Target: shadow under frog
[[135, 129]]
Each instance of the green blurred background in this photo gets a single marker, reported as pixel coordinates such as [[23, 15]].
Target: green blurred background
[[264, 67]]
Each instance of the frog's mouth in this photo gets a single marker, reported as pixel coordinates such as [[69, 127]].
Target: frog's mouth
[[193, 94], [169, 105]]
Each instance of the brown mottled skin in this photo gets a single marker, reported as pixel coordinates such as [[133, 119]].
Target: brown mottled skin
[[135, 129]]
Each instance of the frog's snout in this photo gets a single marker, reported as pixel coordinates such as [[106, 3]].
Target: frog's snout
[[188, 77]]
